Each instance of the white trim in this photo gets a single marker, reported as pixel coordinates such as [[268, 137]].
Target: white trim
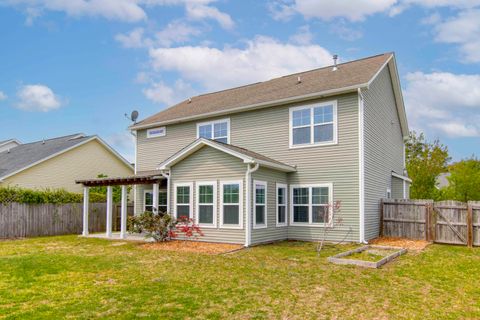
[[10, 141], [109, 221], [151, 191], [399, 176], [156, 135], [212, 123], [86, 203], [68, 149], [248, 211], [379, 70], [123, 213], [240, 205], [329, 185], [361, 166], [278, 102], [311, 106], [284, 186], [264, 184], [201, 142], [213, 204], [182, 184]]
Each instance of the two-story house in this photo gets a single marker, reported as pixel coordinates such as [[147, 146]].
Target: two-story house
[[266, 161]]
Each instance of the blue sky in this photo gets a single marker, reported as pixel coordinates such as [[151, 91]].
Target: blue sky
[[80, 65]]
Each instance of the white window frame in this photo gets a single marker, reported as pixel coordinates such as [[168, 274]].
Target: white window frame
[[156, 135], [265, 185], [211, 123], [312, 106], [214, 204], [388, 194], [279, 186], [240, 205], [151, 191], [183, 184], [310, 211]]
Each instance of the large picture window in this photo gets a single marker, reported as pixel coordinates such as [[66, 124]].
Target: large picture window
[[260, 204], [183, 200], [162, 201], [314, 124], [311, 204], [206, 204], [281, 204], [218, 130], [231, 204]]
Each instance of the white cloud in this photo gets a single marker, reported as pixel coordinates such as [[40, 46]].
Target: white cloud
[[37, 97], [201, 11], [463, 29], [133, 39], [444, 102], [3, 96], [345, 32], [160, 92], [303, 36], [124, 143], [262, 58], [176, 32]]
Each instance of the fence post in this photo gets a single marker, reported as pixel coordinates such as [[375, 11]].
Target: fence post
[[469, 225], [427, 222], [430, 223]]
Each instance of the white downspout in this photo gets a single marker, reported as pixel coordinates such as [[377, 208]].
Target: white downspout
[[248, 210], [167, 176], [361, 155]]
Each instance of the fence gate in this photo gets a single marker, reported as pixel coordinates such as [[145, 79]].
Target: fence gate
[[450, 222]]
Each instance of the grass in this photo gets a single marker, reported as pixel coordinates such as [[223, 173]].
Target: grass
[[71, 277]]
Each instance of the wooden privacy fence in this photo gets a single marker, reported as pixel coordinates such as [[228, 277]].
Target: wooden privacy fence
[[19, 220], [451, 222]]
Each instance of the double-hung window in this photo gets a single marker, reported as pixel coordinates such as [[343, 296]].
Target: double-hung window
[[162, 201], [218, 130], [311, 204], [231, 215], [206, 204], [183, 200], [281, 204], [314, 124], [260, 204]]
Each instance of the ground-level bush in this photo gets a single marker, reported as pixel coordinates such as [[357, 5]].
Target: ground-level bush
[[55, 196]]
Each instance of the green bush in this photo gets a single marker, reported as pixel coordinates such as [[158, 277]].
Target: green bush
[[56, 196], [156, 226]]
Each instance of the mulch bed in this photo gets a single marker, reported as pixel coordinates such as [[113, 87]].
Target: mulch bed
[[193, 246], [409, 244]]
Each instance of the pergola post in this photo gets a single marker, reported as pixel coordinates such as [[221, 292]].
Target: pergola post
[[85, 211], [109, 211], [155, 197], [123, 214]]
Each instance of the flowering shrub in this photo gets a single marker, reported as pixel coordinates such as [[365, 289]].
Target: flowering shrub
[[185, 225]]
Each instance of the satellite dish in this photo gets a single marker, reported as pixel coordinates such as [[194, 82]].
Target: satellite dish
[[134, 115]]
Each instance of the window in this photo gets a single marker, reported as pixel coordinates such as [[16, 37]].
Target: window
[[183, 200], [162, 201], [281, 204], [156, 132], [218, 130], [260, 204], [206, 200], [314, 124], [231, 215], [310, 204]]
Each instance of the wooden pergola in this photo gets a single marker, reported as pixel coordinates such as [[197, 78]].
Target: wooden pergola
[[154, 178]]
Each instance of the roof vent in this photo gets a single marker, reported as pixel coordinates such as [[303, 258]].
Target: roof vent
[[335, 58], [43, 141], [189, 100], [299, 79]]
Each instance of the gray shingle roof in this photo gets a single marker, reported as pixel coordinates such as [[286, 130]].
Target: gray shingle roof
[[27, 154], [349, 74]]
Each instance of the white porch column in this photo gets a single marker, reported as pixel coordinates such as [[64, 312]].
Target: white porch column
[[109, 211], [155, 197], [85, 211], [123, 214]]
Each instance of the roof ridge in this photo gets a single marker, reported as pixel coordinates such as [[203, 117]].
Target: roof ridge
[[56, 138]]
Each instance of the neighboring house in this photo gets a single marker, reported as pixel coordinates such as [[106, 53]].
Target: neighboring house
[[263, 162], [57, 163], [8, 144]]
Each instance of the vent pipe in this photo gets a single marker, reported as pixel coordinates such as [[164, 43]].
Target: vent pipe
[[335, 58]]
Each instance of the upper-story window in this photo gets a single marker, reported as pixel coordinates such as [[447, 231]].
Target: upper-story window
[[218, 130], [314, 124]]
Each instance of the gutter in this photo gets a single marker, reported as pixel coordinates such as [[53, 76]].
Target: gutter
[[248, 210]]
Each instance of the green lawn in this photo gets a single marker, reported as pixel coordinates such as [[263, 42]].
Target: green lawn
[[71, 277]]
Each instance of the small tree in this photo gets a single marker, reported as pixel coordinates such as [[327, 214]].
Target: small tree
[[332, 218], [464, 181]]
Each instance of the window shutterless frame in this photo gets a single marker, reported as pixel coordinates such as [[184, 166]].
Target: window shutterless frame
[[190, 203], [310, 204], [213, 204], [284, 204], [240, 205], [312, 125], [151, 205], [212, 126], [260, 185]]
